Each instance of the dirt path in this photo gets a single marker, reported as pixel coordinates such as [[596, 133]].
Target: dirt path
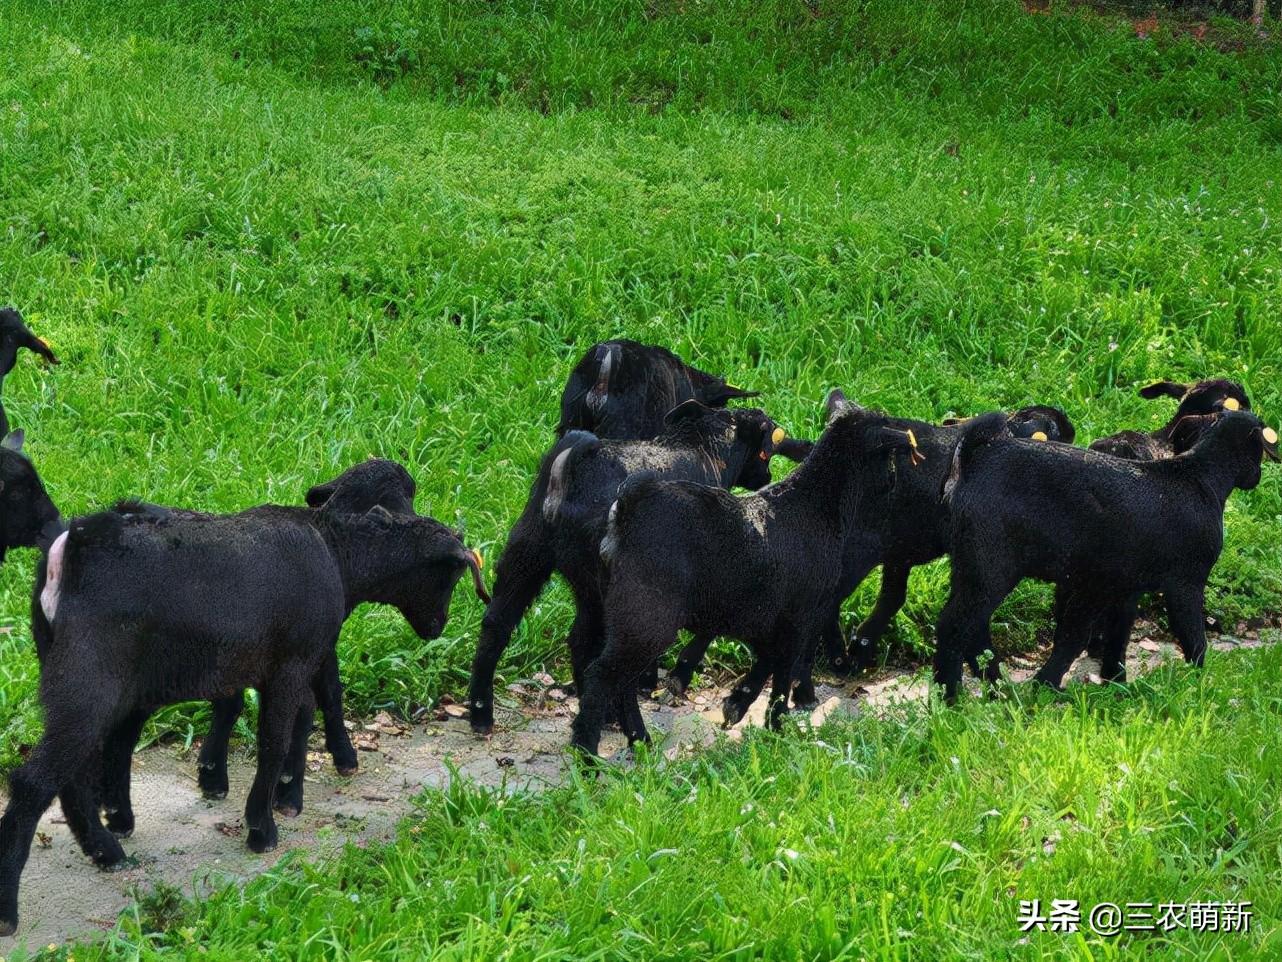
[[186, 841]]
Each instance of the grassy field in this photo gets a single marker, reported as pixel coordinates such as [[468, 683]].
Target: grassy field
[[269, 240]]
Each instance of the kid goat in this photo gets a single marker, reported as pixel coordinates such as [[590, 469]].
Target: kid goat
[[564, 520], [146, 609], [1059, 514], [761, 568], [623, 390]]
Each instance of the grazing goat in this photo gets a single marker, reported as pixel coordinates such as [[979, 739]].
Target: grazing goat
[[1101, 528], [915, 532], [14, 334], [622, 390], [373, 483], [146, 610], [760, 568], [564, 520]]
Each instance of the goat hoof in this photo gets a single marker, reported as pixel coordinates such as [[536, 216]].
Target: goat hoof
[[120, 824], [345, 763], [732, 713], [212, 784], [8, 927], [288, 809], [261, 840], [107, 852], [483, 726]]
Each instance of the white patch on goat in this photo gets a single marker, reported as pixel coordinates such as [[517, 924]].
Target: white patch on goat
[[556, 486], [600, 392], [757, 514], [52, 590], [610, 543]]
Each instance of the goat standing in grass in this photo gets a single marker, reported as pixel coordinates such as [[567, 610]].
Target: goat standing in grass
[[1101, 528], [145, 610], [760, 568]]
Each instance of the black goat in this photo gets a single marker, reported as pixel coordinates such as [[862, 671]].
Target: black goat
[[1204, 397], [761, 567], [144, 611], [373, 483], [14, 335], [915, 532], [622, 390], [1101, 528], [28, 517], [564, 520], [1197, 403]]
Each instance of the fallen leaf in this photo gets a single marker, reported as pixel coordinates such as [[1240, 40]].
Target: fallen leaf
[[43, 840], [231, 831], [505, 761], [385, 724], [544, 679]]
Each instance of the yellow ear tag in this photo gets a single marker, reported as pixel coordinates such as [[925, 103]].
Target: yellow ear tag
[[1038, 435], [777, 436], [1270, 436], [480, 562], [912, 439], [1231, 404]]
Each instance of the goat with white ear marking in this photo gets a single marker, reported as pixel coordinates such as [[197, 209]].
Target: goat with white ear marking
[[1101, 528], [761, 567], [154, 609]]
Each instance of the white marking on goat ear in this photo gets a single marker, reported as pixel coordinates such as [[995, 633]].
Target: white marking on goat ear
[[1038, 436], [1231, 404], [1270, 436]]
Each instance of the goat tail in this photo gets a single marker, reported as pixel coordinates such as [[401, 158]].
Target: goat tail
[[979, 433], [559, 467]]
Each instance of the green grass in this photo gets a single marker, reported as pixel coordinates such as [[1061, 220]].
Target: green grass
[[910, 837], [268, 241]]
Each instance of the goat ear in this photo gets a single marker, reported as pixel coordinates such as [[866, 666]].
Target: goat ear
[[380, 514], [318, 494], [718, 392], [836, 401], [686, 410], [1164, 389], [14, 441], [474, 562], [1067, 433], [794, 449], [1269, 438]]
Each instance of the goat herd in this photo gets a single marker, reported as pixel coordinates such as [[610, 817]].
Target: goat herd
[[141, 606]]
